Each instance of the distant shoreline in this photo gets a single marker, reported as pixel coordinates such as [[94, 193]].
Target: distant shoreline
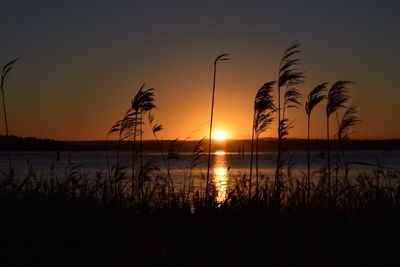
[[14, 143]]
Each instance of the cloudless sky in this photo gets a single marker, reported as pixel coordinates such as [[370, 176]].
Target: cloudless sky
[[84, 60]]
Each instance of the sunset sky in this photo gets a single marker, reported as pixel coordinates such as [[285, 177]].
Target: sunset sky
[[82, 62]]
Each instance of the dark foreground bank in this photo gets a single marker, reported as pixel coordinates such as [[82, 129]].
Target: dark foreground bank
[[59, 232], [82, 222]]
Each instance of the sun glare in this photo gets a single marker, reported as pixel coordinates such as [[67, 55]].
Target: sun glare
[[220, 135]]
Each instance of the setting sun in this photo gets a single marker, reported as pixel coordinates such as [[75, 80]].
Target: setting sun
[[220, 135]]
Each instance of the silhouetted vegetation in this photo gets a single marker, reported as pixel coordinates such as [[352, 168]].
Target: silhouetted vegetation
[[136, 213], [222, 57], [6, 69], [74, 219], [337, 98], [314, 98], [289, 77], [264, 109]]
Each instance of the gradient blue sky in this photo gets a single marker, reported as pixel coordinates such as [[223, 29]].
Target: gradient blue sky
[[84, 60]]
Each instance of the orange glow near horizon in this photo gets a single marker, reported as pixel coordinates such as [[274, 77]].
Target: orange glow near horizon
[[179, 66], [220, 135]]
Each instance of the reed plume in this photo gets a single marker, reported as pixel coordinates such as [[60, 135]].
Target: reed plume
[[288, 75], [314, 98], [142, 102], [262, 118], [348, 121], [337, 98]]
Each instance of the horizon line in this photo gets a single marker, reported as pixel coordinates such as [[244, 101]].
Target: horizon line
[[205, 139]]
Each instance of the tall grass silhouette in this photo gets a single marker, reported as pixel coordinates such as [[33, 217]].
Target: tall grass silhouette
[[345, 125], [288, 76], [336, 99], [172, 154], [130, 126], [124, 129], [264, 109], [142, 103], [222, 57], [143, 219], [6, 69], [348, 121], [314, 98]]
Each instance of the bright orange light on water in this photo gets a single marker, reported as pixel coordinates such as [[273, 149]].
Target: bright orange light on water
[[221, 173], [220, 178], [220, 135]]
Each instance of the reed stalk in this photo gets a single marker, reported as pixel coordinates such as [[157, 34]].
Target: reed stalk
[[222, 57], [6, 69]]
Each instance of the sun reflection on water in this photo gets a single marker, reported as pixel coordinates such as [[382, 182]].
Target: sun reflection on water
[[220, 153], [220, 175]]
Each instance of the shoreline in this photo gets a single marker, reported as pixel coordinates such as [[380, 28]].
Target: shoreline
[[14, 143]]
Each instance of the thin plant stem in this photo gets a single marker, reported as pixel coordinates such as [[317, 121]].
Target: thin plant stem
[[251, 153], [257, 181], [210, 133], [6, 125], [133, 156], [308, 158], [218, 58], [328, 157]]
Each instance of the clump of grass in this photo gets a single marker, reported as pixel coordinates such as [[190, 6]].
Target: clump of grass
[[130, 126]]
